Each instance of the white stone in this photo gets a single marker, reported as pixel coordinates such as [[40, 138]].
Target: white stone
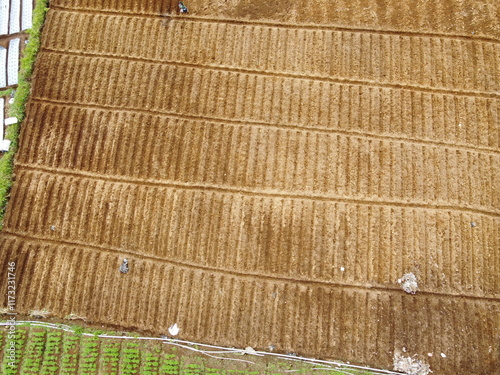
[[13, 62]]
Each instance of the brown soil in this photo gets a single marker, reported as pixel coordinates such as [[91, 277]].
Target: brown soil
[[270, 170]]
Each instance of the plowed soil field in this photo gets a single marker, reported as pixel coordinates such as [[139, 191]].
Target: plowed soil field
[[270, 170]]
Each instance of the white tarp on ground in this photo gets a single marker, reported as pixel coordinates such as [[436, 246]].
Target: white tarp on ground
[[15, 14], [4, 17], [27, 14], [3, 67], [10, 121], [2, 127], [13, 62]]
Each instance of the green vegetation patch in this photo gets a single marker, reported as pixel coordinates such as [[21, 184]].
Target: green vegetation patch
[[169, 365], [47, 350]]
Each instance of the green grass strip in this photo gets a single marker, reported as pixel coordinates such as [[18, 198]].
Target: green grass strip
[[18, 108]]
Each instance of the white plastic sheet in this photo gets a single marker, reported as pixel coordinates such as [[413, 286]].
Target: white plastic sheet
[[4, 16], [27, 14], [15, 15], [10, 120], [2, 103], [3, 67], [13, 62]]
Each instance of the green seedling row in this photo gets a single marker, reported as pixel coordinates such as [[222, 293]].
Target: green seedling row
[[20, 340], [34, 352], [69, 354], [89, 353]]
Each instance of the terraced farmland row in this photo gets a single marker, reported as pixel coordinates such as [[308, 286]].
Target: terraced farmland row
[[467, 66], [269, 100], [231, 154], [209, 305], [300, 238], [466, 18]]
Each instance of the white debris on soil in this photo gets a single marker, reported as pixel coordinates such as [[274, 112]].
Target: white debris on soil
[[124, 266], [74, 317], [4, 145], [410, 365], [409, 283], [39, 313], [250, 350], [174, 330], [443, 355]]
